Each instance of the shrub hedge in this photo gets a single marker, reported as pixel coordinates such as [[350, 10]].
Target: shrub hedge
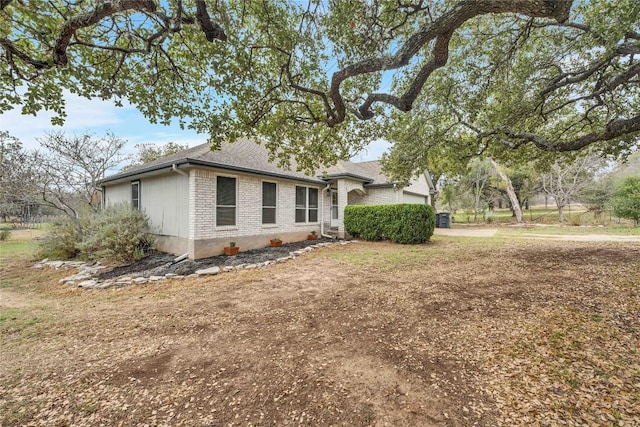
[[402, 223]]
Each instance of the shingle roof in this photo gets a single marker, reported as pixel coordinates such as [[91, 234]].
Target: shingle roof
[[248, 156], [370, 172]]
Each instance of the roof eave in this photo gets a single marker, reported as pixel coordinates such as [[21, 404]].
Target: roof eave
[[346, 175], [196, 162], [146, 170], [381, 185]]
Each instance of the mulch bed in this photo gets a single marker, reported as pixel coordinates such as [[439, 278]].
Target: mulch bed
[[160, 263]]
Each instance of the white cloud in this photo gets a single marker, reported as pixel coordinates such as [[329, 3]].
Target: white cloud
[[96, 116], [82, 115]]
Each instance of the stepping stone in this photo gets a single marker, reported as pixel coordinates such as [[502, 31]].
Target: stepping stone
[[208, 271]]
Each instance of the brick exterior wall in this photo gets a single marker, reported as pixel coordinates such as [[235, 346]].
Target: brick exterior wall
[[376, 196], [207, 239]]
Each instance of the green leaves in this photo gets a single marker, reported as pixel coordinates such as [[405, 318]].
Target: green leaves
[[403, 223], [300, 76], [626, 199]]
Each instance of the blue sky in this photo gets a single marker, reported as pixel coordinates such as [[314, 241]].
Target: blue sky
[[125, 122]]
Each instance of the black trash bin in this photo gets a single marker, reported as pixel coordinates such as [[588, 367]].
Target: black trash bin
[[444, 220], [437, 220]]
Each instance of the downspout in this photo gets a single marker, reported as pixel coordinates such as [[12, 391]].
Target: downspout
[[322, 212], [175, 169]]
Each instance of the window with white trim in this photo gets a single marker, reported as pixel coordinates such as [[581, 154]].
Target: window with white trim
[[225, 201], [135, 195], [306, 204], [269, 202]]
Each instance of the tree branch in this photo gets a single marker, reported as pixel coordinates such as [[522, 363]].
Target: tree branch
[[88, 19], [440, 30], [613, 129], [211, 31]]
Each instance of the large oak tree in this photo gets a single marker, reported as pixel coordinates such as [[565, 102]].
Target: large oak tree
[[312, 78]]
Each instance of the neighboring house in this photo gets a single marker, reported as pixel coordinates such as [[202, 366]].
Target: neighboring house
[[199, 200]]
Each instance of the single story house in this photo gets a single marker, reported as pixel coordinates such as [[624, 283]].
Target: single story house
[[199, 200]]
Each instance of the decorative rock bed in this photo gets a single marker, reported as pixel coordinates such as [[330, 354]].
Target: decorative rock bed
[[89, 272]]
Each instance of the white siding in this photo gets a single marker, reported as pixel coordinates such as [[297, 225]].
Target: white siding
[[165, 199], [118, 194]]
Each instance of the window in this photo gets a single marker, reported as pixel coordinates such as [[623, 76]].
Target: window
[[334, 204], [135, 195], [313, 205], [301, 204], [225, 201], [306, 204], [269, 198]]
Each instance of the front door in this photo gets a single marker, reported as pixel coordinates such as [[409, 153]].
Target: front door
[[334, 208]]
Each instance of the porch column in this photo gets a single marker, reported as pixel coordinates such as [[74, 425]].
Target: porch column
[[343, 195]]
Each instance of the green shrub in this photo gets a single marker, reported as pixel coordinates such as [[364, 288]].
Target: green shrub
[[117, 233], [61, 242], [626, 199], [5, 234], [403, 223]]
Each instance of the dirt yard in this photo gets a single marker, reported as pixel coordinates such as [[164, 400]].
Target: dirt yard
[[457, 332]]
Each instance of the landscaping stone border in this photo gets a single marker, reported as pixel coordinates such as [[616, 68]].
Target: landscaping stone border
[[85, 277]]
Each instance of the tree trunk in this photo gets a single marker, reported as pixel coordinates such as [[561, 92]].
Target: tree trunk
[[560, 213], [513, 198]]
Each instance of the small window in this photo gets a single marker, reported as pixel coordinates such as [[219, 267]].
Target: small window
[[135, 195], [301, 204], [269, 197], [225, 201]]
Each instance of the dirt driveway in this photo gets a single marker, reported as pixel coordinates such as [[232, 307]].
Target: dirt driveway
[[491, 232], [452, 333]]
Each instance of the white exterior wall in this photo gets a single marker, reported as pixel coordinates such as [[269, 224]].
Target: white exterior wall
[[413, 198], [206, 239], [117, 194], [418, 186], [376, 196], [163, 198], [165, 201]]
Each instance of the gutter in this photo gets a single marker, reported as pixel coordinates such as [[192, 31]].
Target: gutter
[[195, 162], [174, 168]]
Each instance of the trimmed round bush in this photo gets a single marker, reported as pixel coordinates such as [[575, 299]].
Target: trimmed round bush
[[402, 223]]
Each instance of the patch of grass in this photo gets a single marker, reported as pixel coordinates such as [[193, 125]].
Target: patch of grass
[[14, 320], [596, 317], [10, 249]]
